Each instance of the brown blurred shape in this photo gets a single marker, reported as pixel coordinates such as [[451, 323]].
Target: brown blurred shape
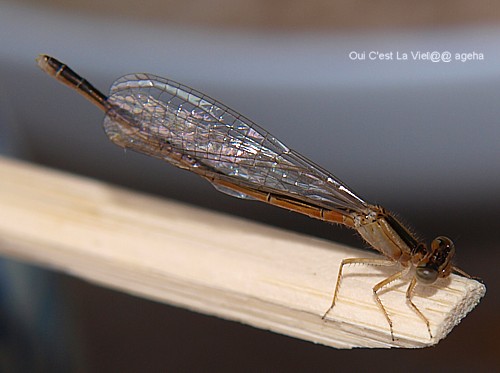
[[316, 15]]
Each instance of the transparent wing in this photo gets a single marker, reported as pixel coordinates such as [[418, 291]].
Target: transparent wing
[[217, 140]]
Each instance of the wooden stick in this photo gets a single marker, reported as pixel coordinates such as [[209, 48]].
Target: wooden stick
[[213, 263]]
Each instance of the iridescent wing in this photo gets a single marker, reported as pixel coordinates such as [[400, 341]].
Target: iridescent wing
[[195, 132]]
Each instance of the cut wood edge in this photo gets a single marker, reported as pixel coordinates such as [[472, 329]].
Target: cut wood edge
[[213, 263]]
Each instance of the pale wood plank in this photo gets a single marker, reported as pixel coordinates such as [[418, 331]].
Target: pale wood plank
[[212, 263]]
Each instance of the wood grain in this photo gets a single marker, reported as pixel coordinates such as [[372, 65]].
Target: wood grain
[[213, 263]]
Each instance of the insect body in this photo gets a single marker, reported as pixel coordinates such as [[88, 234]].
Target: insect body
[[180, 125]]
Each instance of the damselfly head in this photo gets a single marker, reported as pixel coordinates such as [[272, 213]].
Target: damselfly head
[[438, 262]]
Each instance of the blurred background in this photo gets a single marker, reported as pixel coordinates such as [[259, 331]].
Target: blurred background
[[419, 136]]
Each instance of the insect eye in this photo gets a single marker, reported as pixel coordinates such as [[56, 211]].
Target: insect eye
[[426, 275], [442, 242]]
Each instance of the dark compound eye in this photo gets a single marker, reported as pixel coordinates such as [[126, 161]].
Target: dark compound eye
[[426, 275], [442, 242]]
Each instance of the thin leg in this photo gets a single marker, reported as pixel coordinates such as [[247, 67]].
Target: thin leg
[[462, 273], [379, 286], [369, 261], [409, 293]]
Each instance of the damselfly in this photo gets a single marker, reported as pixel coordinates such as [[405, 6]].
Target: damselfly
[[180, 125]]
